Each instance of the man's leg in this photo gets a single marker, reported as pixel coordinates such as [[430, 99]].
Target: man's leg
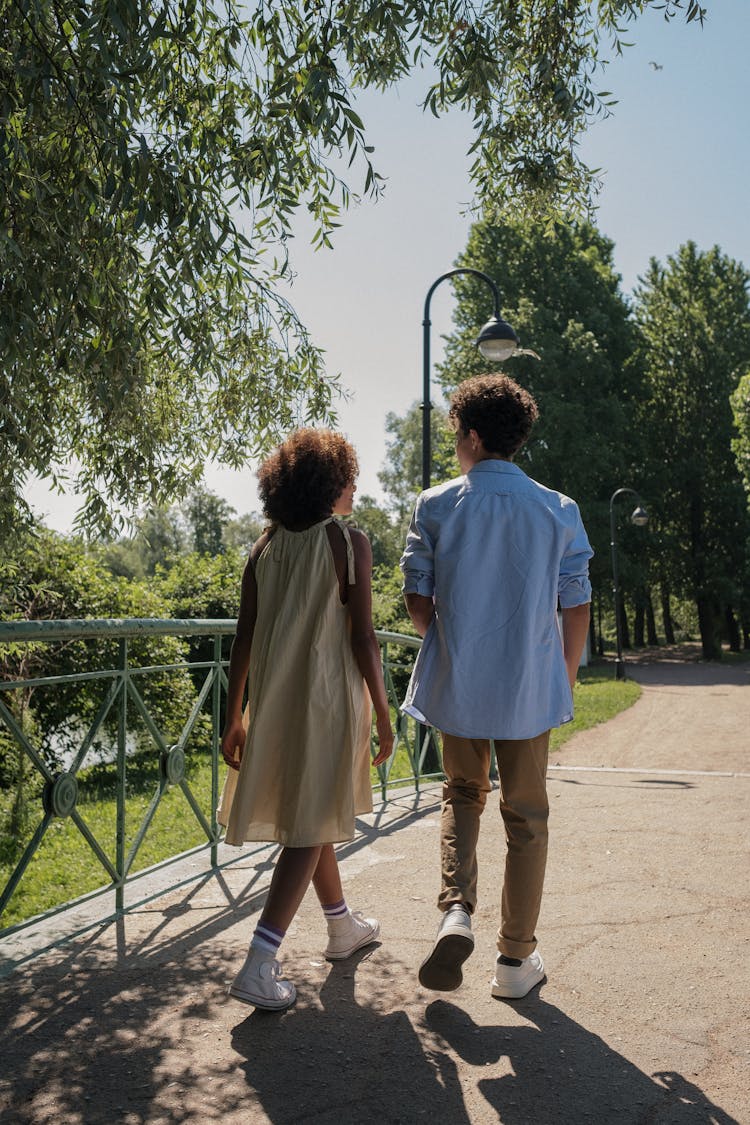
[[522, 765], [466, 765]]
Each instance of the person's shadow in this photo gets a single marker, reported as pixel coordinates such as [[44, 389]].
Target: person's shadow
[[347, 1062], [556, 1072]]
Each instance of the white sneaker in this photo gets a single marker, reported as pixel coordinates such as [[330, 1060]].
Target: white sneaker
[[348, 934], [514, 981], [259, 982], [441, 970]]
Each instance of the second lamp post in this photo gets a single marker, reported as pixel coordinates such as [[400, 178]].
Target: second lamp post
[[639, 517]]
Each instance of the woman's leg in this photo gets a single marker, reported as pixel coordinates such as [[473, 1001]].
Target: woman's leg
[[326, 879], [258, 981], [295, 868], [347, 932]]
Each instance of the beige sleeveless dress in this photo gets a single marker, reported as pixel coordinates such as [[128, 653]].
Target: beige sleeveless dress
[[305, 770]]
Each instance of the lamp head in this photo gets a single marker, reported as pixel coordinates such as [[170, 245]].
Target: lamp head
[[497, 340], [639, 517]]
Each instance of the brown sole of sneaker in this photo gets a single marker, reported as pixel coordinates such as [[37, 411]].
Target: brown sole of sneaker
[[441, 970]]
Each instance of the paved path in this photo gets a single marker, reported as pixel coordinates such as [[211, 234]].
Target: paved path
[[643, 1020]]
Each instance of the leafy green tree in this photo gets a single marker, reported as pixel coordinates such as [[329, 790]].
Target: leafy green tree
[[197, 585], [207, 514], [203, 586], [379, 527], [694, 319], [401, 475], [159, 536], [388, 609], [240, 534], [202, 523], [152, 159], [741, 446], [740, 401], [47, 576]]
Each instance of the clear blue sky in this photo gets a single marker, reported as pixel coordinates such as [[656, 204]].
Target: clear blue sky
[[675, 155]]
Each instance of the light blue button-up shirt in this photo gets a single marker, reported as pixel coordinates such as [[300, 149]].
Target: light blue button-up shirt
[[497, 551]]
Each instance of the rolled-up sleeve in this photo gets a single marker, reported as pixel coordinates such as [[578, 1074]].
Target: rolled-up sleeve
[[573, 585], [418, 560]]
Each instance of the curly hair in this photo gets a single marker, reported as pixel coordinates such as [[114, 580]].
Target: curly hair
[[501, 412], [302, 479]]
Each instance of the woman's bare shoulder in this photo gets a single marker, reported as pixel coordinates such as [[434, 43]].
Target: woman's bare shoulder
[[260, 545], [360, 542]]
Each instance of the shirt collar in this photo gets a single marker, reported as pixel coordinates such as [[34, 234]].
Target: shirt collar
[[495, 466]]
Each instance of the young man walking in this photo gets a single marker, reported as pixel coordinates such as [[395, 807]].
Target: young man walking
[[488, 559]]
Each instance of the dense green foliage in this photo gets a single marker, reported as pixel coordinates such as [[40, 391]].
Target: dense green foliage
[[693, 317], [153, 156]]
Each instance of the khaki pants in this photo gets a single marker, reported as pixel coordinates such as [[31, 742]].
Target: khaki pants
[[522, 766]]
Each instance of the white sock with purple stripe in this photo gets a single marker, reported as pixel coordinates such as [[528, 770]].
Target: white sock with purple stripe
[[335, 910], [268, 938]]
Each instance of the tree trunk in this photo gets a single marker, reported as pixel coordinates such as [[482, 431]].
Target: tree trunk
[[652, 637], [666, 613], [733, 631], [639, 623], [600, 642], [624, 630], [745, 633], [709, 624]]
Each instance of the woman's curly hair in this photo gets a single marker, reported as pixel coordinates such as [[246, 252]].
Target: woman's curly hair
[[302, 479], [501, 412]]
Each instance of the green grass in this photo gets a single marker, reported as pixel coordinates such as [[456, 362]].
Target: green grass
[[64, 866], [598, 696]]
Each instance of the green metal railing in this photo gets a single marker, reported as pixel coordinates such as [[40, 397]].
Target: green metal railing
[[123, 695]]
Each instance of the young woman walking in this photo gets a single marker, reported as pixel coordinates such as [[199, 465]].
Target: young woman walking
[[306, 648]]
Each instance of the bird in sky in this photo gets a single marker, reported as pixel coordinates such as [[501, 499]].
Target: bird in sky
[[656, 65]]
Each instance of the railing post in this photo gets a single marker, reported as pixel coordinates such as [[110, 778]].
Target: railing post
[[383, 770], [215, 724], [122, 749]]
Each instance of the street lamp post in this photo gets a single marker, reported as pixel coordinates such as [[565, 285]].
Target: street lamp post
[[639, 517], [496, 341]]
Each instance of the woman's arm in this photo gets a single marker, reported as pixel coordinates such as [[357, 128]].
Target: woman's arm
[[364, 642], [233, 735]]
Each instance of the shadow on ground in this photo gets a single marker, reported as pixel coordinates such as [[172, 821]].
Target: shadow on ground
[[128, 1045], [557, 1071]]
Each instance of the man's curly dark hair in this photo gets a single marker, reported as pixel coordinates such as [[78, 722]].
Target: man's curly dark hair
[[302, 479], [501, 412]]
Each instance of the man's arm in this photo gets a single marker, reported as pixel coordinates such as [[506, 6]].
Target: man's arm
[[418, 565], [421, 610], [575, 627]]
